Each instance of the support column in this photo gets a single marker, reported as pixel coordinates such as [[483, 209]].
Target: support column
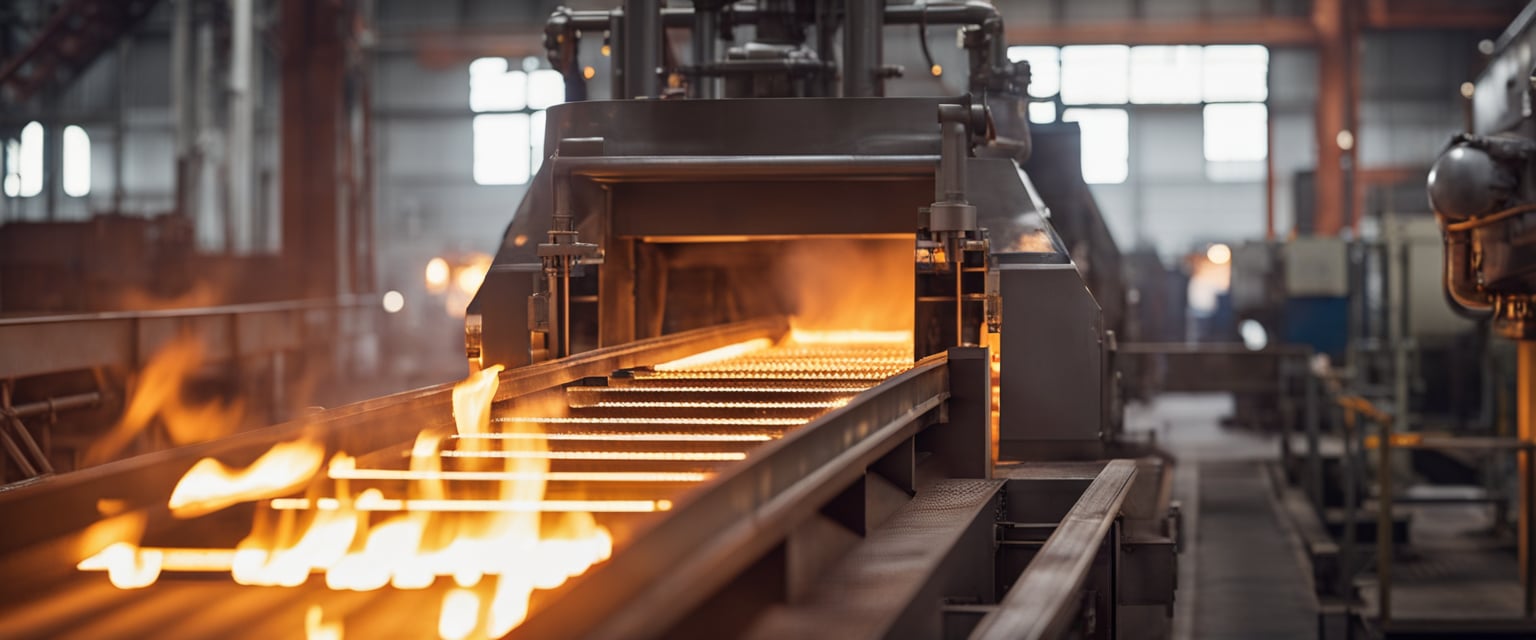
[[1332, 105], [312, 74], [642, 48], [1525, 381]]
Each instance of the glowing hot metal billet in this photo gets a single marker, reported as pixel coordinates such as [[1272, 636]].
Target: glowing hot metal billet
[[474, 506]]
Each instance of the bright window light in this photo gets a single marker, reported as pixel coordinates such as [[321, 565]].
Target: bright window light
[[1044, 68], [501, 148], [29, 164], [493, 88], [1165, 75], [1236, 132], [12, 168], [536, 140], [1042, 112], [77, 162], [1094, 74], [1236, 73], [546, 88], [1106, 143], [1236, 141]]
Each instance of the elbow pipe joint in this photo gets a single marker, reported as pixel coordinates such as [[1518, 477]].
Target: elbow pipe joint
[[1462, 292]]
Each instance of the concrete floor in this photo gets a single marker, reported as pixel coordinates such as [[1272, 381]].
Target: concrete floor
[[1242, 575]]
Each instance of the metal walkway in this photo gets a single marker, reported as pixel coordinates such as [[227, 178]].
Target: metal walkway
[[1249, 582], [1240, 577]]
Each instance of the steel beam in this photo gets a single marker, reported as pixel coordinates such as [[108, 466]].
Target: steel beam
[[1274, 32], [1045, 599], [39, 345]]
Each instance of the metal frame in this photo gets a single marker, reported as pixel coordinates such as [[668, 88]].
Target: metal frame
[[39, 345], [137, 487], [721, 529], [1046, 596]]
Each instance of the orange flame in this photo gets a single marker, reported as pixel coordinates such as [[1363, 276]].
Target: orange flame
[[210, 485], [495, 529], [159, 393], [316, 628], [127, 566], [872, 289]]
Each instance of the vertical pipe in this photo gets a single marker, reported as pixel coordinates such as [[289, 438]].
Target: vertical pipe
[[53, 159], [238, 153], [952, 160], [1525, 378], [565, 306], [1396, 288], [1269, 174], [862, 34], [1347, 468], [706, 33], [181, 53], [642, 48], [119, 147], [826, 32], [1314, 453], [213, 217], [616, 55]]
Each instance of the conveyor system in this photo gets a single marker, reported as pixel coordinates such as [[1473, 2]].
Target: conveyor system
[[812, 367]]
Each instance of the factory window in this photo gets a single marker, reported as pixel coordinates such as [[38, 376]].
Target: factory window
[[501, 148], [1165, 75], [1106, 143], [1042, 112], [1095, 74], [1236, 140], [24, 162], [1229, 83], [509, 123], [1236, 73], [1044, 69], [77, 162]]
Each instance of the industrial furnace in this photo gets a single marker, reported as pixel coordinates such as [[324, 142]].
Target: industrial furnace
[[782, 363]]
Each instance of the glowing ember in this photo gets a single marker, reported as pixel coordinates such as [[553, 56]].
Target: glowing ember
[[728, 352], [209, 485], [376, 502], [671, 436], [553, 476], [805, 336], [679, 456], [461, 612], [315, 627], [127, 566], [505, 530]]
